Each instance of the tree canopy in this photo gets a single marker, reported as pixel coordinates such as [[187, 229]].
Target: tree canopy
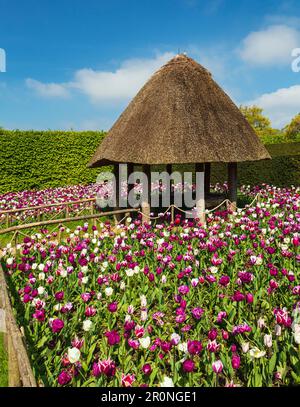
[[292, 130], [260, 123]]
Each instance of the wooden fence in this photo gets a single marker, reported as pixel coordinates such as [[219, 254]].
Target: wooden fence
[[9, 215], [19, 368]]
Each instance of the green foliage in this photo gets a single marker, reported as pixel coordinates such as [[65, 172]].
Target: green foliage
[[255, 117], [282, 170], [260, 123], [36, 160], [3, 363], [292, 131]]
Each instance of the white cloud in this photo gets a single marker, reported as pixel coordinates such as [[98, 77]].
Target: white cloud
[[48, 90], [271, 46], [100, 86], [120, 84], [281, 106]]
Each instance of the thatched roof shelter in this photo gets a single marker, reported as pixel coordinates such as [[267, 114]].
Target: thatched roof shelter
[[181, 115]]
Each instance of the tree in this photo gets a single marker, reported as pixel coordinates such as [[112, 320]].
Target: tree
[[292, 130], [260, 123]]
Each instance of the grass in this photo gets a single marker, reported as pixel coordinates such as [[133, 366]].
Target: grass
[[3, 363]]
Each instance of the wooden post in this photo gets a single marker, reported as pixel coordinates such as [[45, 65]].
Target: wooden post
[[207, 179], [13, 367], [146, 195], [117, 185], [130, 187], [232, 185], [199, 167], [200, 196], [172, 192]]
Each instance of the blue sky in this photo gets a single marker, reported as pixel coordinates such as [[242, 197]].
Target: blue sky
[[76, 64]]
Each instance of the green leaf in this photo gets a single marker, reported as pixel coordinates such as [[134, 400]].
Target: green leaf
[[272, 363]]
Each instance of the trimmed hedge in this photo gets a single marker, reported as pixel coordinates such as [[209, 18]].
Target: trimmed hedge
[[45, 159], [38, 160]]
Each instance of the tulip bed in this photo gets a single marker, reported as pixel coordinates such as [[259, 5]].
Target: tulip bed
[[165, 304], [26, 199]]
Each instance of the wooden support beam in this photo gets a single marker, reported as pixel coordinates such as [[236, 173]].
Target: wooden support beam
[[232, 185], [118, 216], [146, 195], [199, 167], [200, 196], [207, 179], [169, 169], [130, 187]]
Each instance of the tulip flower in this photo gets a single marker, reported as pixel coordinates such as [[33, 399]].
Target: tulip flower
[[217, 366]]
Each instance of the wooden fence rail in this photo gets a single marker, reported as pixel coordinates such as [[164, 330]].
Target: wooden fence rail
[[19, 369], [34, 208], [65, 220]]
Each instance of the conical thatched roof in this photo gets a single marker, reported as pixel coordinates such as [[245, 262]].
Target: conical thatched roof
[[181, 115]]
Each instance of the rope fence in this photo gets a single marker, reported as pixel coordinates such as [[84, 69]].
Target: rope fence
[[95, 217]]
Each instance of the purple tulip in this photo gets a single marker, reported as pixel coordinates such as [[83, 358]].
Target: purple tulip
[[64, 378], [188, 366], [235, 361], [147, 369], [57, 325]]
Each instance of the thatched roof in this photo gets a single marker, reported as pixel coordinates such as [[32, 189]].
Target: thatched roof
[[181, 115]]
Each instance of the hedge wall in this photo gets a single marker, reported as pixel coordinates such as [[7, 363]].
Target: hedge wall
[[37, 160]]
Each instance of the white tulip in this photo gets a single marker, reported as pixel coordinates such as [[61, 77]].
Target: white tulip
[[41, 290], [245, 347], [87, 325], [255, 353], [167, 382], [182, 347], [143, 301], [108, 291], [145, 342], [144, 315], [277, 330], [268, 340], [73, 355]]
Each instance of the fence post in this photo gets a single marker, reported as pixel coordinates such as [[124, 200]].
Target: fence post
[[13, 366]]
